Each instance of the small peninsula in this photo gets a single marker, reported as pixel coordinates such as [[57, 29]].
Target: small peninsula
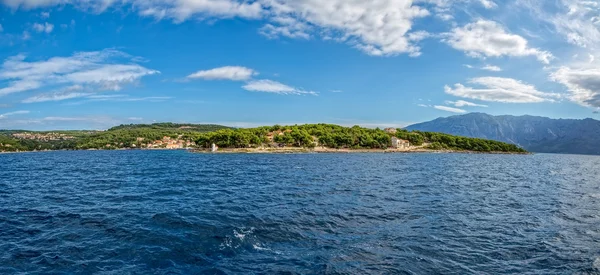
[[268, 139]]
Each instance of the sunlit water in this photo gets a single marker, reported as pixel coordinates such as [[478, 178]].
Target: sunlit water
[[157, 212]]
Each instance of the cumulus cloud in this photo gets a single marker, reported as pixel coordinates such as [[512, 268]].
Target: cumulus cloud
[[377, 27], [235, 73], [100, 70], [500, 89], [582, 83], [270, 86], [450, 109], [484, 38], [462, 103], [46, 27]]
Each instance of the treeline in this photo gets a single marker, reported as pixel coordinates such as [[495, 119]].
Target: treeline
[[440, 141], [171, 126], [129, 138], [309, 135], [126, 136], [8, 144], [335, 136]]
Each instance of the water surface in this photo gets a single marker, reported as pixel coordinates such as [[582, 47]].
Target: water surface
[[157, 212]]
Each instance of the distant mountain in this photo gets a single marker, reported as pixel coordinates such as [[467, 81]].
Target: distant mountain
[[535, 134]]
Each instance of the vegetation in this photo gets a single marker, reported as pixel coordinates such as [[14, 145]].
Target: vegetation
[[307, 136], [170, 126], [334, 136]]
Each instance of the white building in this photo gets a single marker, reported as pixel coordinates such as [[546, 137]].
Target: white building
[[400, 143]]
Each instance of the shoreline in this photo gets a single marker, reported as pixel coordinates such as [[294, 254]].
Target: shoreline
[[292, 150], [321, 150]]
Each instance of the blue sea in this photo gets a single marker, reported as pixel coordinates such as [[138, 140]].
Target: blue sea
[[175, 212]]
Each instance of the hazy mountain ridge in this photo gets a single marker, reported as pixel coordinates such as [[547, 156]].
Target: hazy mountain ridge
[[536, 134]]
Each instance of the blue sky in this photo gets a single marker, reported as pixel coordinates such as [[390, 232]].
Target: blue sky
[[97, 63]]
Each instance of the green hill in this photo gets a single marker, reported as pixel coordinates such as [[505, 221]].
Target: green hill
[[175, 136]]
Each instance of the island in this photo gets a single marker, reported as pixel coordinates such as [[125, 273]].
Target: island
[[266, 139]]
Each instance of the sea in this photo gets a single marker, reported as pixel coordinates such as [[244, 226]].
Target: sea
[[177, 212]]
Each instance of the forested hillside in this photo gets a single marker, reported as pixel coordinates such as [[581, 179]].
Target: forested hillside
[[181, 136]]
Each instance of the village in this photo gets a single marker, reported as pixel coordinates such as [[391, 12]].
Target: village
[[43, 136], [166, 143]]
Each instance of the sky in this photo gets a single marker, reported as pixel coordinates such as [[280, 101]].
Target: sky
[[93, 64]]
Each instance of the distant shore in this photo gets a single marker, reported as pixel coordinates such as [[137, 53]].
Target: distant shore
[[287, 150], [296, 150]]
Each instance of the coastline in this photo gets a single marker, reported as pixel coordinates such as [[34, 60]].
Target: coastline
[[323, 150], [291, 150]]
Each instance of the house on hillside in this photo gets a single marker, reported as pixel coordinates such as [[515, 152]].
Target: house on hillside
[[400, 143], [390, 130]]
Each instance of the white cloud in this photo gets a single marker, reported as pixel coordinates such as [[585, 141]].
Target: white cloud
[[63, 122], [45, 15], [576, 20], [462, 103], [182, 10], [450, 109], [377, 27], [99, 70], [488, 4], [119, 98], [270, 86], [30, 4], [26, 35], [20, 86], [6, 115], [235, 73], [446, 9], [287, 27], [491, 68], [74, 91], [583, 84], [484, 38], [46, 27], [500, 89], [468, 66]]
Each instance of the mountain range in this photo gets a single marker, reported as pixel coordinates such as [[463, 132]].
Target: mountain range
[[535, 134]]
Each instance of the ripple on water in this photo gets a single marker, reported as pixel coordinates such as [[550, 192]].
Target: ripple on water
[[172, 212]]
